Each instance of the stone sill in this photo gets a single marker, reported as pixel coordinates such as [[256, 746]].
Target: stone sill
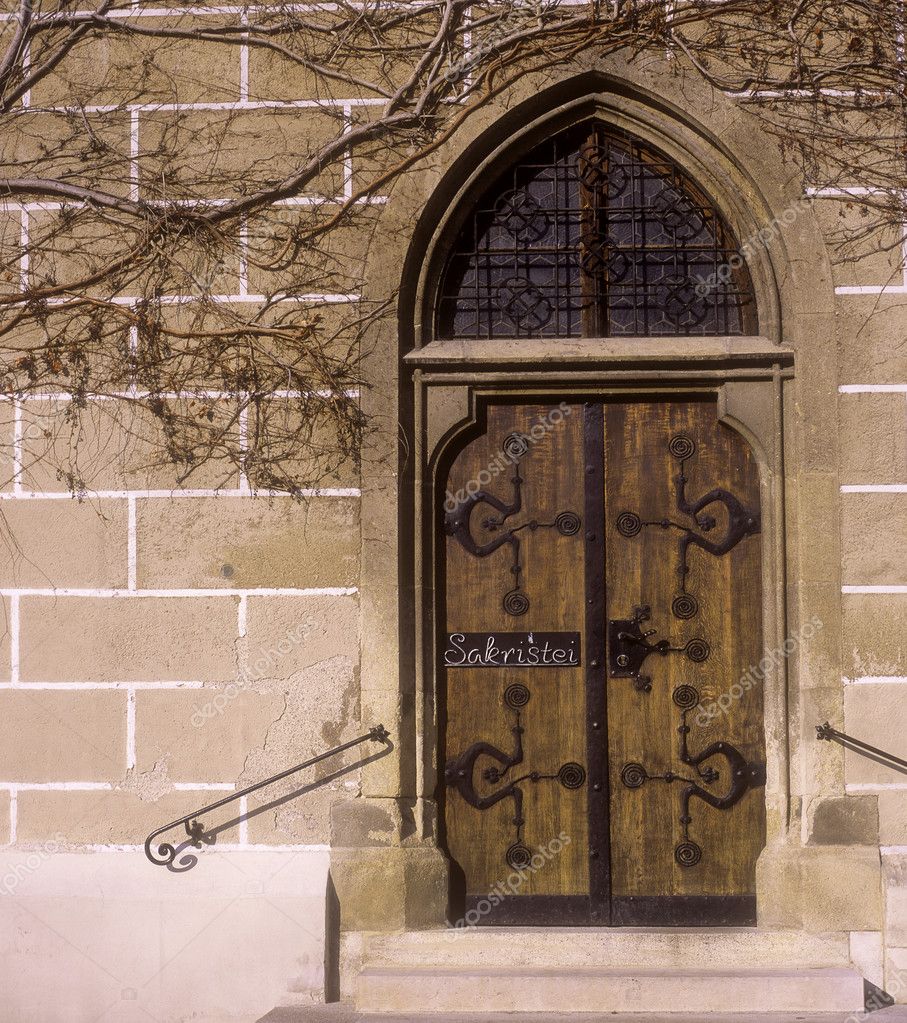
[[592, 352]]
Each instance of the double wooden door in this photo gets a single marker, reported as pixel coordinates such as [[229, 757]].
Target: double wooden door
[[603, 756]]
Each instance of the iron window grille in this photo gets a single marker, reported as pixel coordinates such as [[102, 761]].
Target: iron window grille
[[595, 233]]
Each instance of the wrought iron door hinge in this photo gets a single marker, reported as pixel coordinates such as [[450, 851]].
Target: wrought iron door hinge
[[741, 522]]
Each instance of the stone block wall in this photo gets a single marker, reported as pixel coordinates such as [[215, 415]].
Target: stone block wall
[[871, 299], [163, 644], [872, 414]]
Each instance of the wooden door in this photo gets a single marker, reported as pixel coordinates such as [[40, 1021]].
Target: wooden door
[[603, 734]]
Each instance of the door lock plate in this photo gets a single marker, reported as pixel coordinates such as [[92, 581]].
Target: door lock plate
[[629, 646]]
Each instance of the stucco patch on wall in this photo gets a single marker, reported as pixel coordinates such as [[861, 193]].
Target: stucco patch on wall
[[320, 709]]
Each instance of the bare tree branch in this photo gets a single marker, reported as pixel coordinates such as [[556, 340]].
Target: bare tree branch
[[160, 246]]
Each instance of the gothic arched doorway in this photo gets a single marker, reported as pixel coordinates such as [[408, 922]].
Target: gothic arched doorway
[[601, 563]]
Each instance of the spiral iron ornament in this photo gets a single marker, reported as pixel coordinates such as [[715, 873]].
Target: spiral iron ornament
[[685, 697], [628, 524], [515, 603], [518, 856], [682, 446], [633, 775], [176, 858], [687, 854], [572, 775], [515, 446], [516, 695], [685, 606], [697, 650], [568, 523]]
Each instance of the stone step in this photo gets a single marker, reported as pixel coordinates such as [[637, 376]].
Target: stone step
[[340, 1013], [566, 947], [429, 990]]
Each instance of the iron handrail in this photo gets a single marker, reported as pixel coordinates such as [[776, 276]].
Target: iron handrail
[[880, 756], [195, 830]]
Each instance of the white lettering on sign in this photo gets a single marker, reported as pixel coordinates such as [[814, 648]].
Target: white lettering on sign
[[512, 649]]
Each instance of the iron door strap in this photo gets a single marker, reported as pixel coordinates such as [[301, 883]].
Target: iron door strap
[[460, 771], [458, 524], [743, 775], [741, 522]]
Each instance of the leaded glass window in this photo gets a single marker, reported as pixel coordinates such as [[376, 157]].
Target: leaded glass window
[[595, 233]]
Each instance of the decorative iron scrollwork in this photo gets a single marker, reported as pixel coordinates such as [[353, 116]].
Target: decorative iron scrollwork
[[629, 646], [678, 212], [459, 774], [518, 856], [167, 852], [742, 522], [458, 524], [601, 256], [744, 776], [684, 304]]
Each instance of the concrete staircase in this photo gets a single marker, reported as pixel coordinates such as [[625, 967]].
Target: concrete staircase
[[542, 975]]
